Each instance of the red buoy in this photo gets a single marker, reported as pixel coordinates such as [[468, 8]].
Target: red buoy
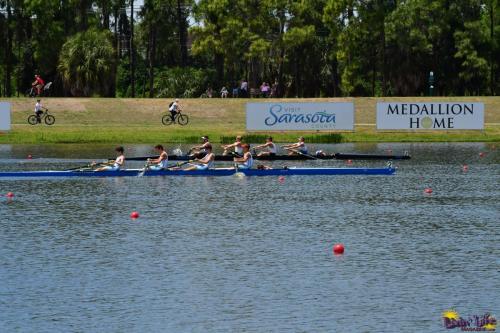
[[481, 154], [30, 157], [281, 179], [349, 162], [338, 248], [428, 190], [465, 168], [10, 195], [134, 215]]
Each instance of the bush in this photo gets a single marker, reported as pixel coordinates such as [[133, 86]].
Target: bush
[[182, 82]]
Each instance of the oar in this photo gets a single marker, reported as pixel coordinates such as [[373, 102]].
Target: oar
[[300, 153], [140, 158], [181, 164], [90, 165], [143, 171]]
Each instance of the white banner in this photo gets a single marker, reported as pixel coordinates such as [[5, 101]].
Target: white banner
[[300, 116], [4, 116], [430, 116]]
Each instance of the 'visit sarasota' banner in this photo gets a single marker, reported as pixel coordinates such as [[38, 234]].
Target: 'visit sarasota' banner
[[300, 116], [4, 116], [430, 116]]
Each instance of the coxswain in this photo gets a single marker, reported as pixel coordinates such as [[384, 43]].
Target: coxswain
[[205, 163], [201, 150], [238, 151], [270, 146], [298, 148], [161, 162], [117, 164], [245, 162]]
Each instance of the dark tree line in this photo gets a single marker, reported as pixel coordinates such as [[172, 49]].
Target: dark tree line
[[307, 48]]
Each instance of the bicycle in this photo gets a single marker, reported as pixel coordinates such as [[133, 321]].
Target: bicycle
[[181, 119], [45, 116]]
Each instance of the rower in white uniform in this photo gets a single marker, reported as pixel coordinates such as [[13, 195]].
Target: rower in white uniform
[[160, 163], [270, 148], [200, 151], [117, 164], [205, 163], [236, 145], [245, 162], [298, 148]]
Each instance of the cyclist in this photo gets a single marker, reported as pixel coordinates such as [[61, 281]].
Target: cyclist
[[38, 110], [174, 108], [38, 84]]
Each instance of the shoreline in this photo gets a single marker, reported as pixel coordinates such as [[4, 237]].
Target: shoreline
[[129, 121]]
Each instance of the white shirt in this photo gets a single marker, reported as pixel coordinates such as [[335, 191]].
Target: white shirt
[[174, 106], [38, 107], [272, 148]]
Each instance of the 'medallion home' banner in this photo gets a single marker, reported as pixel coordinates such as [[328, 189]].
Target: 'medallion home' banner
[[430, 116], [300, 116]]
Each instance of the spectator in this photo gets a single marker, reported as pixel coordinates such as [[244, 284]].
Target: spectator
[[224, 92], [274, 89], [235, 92], [209, 92], [244, 88], [265, 89]]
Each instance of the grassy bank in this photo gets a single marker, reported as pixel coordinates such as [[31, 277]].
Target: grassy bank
[[106, 120]]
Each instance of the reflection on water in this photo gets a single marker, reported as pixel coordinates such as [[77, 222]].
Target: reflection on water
[[251, 254]]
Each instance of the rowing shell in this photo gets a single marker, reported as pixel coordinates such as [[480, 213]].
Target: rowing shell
[[338, 156], [202, 173]]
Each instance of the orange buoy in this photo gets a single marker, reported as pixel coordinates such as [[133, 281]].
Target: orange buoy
[[134, 215], [428, 190], [338, 248]]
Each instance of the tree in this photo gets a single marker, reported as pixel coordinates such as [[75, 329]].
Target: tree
[[86, 63]]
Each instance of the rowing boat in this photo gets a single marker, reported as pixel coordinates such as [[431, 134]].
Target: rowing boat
[[292, 171], [338, 156]]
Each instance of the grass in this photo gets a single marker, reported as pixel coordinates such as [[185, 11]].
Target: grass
[[118, 120]]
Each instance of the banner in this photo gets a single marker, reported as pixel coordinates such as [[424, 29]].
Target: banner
[[4, 116], [300, 116], [430, 116]]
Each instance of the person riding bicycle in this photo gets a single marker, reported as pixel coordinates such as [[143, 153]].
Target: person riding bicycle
[[174, 108], [38, 110], [38, 84]]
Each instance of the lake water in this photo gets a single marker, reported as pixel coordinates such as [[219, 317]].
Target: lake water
[[230, 254]]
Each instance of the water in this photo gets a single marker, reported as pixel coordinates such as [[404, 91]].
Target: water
[[229, 254]]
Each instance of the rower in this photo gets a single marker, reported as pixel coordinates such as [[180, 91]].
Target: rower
[[201, 151], [270, 146], [205, 163], [238, 151], [161, 162], [117, 164], [298, 148], [246, 161]]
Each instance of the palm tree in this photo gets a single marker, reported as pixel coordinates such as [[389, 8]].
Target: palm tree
[[86, 63]]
